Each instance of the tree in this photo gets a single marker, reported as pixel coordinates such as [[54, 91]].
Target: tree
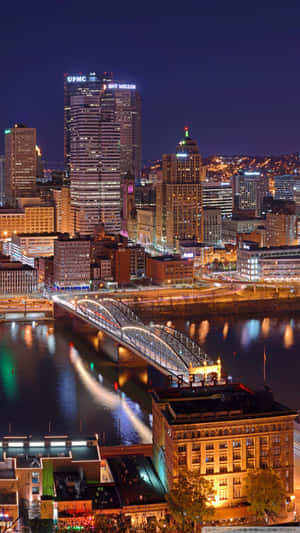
[[265, 493], [189, 500]]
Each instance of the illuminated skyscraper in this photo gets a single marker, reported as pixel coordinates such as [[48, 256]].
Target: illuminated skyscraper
[[78, 85], [249, 187], [102, 144], [179, 196], [20, 162], [120, 139], [85, 163]]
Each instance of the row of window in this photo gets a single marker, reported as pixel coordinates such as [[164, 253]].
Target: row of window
[[262, 428]]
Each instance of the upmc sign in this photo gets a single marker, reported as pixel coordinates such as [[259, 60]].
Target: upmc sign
[[77, 79]]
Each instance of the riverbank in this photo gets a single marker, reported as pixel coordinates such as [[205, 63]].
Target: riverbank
[[234, 308]]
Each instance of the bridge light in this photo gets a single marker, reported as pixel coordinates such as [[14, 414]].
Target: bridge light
[[92, 366]]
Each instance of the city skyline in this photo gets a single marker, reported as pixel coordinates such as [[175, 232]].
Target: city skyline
[[204, 69]]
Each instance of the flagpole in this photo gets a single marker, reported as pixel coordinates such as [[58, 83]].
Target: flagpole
[[265, 358]]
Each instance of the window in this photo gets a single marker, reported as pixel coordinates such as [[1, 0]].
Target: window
[[35, 477], [209, 446], [223, 445], [249, 442], [237, 468], [276, 439], [223, 482], [209, 459], [223, 494], [182, 460], [236, 456], [35, 490], [236, 444], [223, 458], [223, 469], [182, 449], [196, 447], [209, 470], [237, 491], [196, 459]]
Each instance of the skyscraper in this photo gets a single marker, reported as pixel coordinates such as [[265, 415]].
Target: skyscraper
[[78, 85], [85, 163], [179, 196], [120, 147], [249, 187], [284, 187], [20, 162], [102, 144]]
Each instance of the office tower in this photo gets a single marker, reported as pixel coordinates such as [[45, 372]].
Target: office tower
[[85, 163], [281, 224], [20, 162], [212, 226], [179, 196], [249, 187], [284, 187], [120, 147], [232, 429], [102, 144], [78, 85], [72, 258], [63, 214], [124, 100], [218, 195]]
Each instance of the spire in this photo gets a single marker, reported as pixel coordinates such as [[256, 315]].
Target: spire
[[186, 132]]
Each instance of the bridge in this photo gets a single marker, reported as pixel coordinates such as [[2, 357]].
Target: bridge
[[166, 348]]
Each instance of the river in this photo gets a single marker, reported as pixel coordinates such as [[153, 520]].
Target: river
[[52, 380]]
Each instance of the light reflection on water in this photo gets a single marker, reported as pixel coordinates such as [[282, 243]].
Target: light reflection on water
[[39, 382], [240, 344], [40, 386]]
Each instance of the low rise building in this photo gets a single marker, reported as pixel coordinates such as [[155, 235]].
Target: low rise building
[[231, 227], [72, 483], [119, 256], [72, 258], [16, 278], [222, 432], [278, 263], [26, 247], [169, 269], [137, 261], [26, 219]]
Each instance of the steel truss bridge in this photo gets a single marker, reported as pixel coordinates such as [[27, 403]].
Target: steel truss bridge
[[166, 348]]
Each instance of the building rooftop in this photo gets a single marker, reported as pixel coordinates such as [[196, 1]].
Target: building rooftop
[[136, 480], [167, 258], [186, 405]]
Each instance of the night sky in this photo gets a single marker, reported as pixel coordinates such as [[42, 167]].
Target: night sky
[[230, 70]]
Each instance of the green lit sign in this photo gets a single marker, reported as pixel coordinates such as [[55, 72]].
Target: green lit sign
[[6, 131]]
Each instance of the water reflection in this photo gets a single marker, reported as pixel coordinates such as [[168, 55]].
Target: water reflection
[[203, 331], [265, 327], [121, 410], [225, 330], [250, 332], [192, 330], [288, 337]]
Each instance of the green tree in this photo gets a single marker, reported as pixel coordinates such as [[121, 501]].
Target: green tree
[[189, 500], [265, 493]]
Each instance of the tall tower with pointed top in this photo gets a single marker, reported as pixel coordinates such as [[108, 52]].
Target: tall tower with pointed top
[[179, 196]]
